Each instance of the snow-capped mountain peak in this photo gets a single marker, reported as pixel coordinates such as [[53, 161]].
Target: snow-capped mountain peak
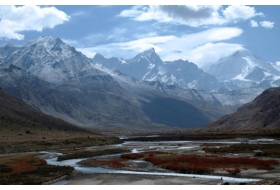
[[244, 69], [147, 66], [148, 55], [242, 53], [98, 57], [149, 51], [46, 41], [48, 58]]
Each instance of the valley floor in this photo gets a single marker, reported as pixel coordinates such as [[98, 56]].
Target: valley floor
[[144, 162], [141, 172]]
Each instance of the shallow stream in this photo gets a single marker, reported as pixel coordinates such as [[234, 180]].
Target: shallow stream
[[148, 169]]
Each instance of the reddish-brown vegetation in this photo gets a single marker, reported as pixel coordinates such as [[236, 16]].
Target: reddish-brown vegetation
[[24, 163], [107, 162], [201, 164], [28, 169], [132, 156]]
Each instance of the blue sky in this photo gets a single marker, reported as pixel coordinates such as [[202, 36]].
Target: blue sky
[[197, 33]]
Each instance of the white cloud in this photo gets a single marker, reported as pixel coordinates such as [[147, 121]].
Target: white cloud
[[73, 43], [199, 48], [254, 23], [236, 12], [117, 33], [145, 43], [144, 35], [189, 15], [16, 19], [127, 49], [79, 13], [278, 63], [133, 12], [208, 53], [267, 24], [89, 52], [143, 2], [194, 15]]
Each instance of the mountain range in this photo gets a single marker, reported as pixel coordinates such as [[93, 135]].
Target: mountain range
[[148, 66], [239, 70], [60, 81], [142, 92]]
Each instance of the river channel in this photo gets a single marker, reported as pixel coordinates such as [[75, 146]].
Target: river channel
[[143, 172]]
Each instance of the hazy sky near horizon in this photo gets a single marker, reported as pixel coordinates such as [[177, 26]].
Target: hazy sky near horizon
[[200, 34]]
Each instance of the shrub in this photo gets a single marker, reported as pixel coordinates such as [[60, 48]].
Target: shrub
[[132, 156], [110, 163], [5, 169], [234, 171]]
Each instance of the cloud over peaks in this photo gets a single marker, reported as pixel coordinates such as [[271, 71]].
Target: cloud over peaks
[[200, 48], [16, 19], [194, 15]]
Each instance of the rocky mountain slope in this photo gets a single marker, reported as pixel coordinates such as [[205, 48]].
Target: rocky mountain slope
[[25, 129], [56, 79], [15, 113], [260, 114]]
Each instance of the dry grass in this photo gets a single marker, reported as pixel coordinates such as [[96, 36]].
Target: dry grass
[[265, 150], [57, 144]]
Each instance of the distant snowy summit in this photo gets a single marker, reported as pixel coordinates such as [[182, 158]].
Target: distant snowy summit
[[54, 61], [148, 66], [244, 69]]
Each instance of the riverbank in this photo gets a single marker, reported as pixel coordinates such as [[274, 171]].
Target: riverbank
[[20, 162], [138, 171], [137, 179]]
